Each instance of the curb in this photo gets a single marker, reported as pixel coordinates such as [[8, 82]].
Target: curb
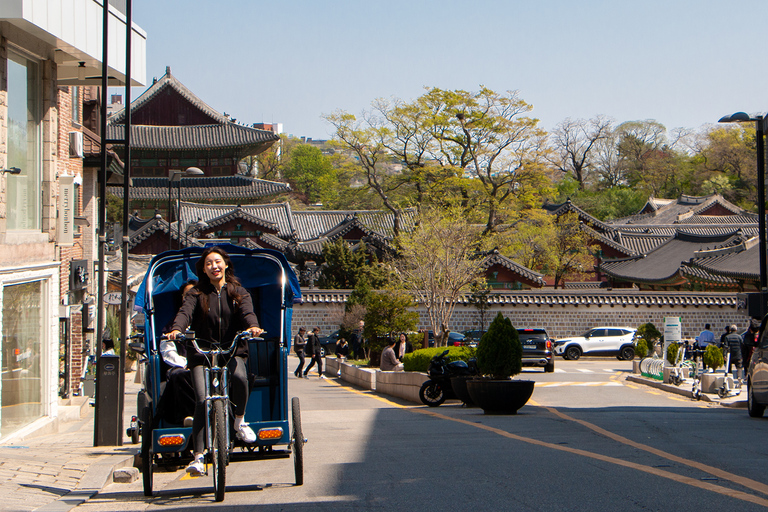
[[685, 392]]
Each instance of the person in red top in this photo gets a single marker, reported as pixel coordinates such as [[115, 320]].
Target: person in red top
[[216, 309]]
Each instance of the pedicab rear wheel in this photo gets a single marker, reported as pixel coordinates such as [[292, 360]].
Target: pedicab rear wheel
[[146, 454], [219, 449], [298, 442]]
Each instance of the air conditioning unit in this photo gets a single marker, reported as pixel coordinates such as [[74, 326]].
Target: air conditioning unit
[[76, 144]]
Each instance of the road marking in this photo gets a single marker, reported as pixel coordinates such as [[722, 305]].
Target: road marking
[[746, 482], [719, 473], [576, 384], [584, 370]]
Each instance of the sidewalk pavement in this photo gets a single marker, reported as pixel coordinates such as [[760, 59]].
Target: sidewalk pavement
[[57, 471], [684, 389]]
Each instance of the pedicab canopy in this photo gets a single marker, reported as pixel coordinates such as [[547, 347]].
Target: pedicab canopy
[[265, 273]]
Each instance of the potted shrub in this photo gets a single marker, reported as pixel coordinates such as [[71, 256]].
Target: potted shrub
[[713, 357], [499, 357], [641, 348]]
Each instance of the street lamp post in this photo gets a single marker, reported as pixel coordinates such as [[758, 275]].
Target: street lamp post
[[175, 175], [742, 117]]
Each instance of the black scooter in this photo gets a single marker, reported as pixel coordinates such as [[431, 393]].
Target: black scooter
[[438, 388]]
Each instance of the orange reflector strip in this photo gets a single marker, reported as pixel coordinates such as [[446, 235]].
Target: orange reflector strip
[[171, 440], [270, 433]]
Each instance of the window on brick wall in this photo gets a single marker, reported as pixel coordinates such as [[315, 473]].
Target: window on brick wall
[[24, 191]]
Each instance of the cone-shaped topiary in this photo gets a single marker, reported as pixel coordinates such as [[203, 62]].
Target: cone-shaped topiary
[[499, 352], [713, 357]]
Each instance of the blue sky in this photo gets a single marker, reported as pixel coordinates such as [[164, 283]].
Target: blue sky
[[684, 63]]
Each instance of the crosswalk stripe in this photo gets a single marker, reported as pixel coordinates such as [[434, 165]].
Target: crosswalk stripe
[[584, 370]]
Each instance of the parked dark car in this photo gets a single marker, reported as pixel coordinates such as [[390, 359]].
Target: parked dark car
[[328, 344], [537, 349], [455, 339]]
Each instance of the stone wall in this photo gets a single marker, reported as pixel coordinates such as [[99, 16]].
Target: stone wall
[[562, 313]]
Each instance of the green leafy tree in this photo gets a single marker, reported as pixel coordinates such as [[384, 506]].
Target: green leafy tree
[[490, 136], [346, 269], [438, 264], [311, 174], [388, 313]]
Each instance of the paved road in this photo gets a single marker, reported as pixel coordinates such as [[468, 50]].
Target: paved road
[[588, 441]]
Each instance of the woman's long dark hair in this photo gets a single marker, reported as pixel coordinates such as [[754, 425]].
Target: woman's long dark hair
[[204, 285]]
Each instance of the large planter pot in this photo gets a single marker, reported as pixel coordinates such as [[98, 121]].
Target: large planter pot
[[500, 396], [459, 385]]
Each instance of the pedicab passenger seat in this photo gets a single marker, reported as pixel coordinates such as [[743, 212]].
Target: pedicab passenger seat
[[263, 362]]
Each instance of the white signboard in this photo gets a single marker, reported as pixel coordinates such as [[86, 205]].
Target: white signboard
[[66, 210], [673, 328], [113, 298], [673, 333]]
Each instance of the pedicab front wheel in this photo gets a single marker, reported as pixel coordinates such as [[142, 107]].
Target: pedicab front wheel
[[298, 442], [219, 449]]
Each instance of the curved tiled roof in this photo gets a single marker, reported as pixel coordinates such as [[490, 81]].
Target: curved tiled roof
[[158, 86], [568, 206], [583, 297], [686, 209], [214, 136], [499, 259], [641, 243], [221, 188], [663, 263]]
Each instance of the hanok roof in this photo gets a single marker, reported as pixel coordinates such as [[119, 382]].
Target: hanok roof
[[663, 263], [689, 210], [498, 259], [589, 220], [735, 263], [169, 116], [212, 136], [303, 225], [220, 188]]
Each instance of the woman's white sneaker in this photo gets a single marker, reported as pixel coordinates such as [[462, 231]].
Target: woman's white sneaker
[[246, 434]]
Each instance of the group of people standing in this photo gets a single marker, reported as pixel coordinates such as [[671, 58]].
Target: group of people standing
[[739, 347]]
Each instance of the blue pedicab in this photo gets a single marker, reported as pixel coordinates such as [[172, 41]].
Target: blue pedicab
[[274, 289]]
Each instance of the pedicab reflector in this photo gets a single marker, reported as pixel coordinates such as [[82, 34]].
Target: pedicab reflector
[[171, 440], [270, 433]]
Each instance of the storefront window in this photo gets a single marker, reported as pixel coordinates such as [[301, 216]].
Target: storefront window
[[21, 399], [24, 148]]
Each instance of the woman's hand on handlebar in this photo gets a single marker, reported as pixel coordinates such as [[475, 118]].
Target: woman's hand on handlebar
[[173, 335], [255, 331]]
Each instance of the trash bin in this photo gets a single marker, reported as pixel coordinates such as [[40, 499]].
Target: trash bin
[[107, 414]]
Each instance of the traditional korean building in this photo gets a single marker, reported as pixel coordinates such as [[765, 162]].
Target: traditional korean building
[[173, 130]]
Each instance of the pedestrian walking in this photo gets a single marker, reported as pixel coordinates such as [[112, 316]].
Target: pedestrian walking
[[733, 345], [299, 344], [749, 341], [314, 349]]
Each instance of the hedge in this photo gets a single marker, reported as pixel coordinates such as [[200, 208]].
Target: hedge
[[418, 361]]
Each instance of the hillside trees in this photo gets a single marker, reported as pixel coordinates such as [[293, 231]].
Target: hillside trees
[[478, 150], [576, 145]]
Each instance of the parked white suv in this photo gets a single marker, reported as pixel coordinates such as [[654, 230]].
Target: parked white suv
[[600, 341]]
